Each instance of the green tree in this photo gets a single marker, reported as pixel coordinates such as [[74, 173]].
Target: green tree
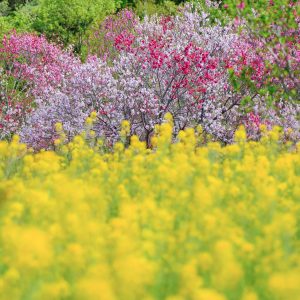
[[4, 8], [146, 7], [151, 7], [67, 21]]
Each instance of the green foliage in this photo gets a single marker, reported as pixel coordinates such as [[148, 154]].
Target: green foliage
[[14, 4], [4, 24], [23, 18], [63, 21], [133, 3], [4, 8], [260, 15], [67, 21], [20, 20], [151, 7]]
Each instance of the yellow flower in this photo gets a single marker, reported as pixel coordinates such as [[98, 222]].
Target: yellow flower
[[93, 115], [240, 134], [92, 133], [125, 124], [30, 247], [209, 294], [89, 121], [168, 117], [285, 285], [58, 127], [54, 290], [94, 289], [57, 142], [177, 221]]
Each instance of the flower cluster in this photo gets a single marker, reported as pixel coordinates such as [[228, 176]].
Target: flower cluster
[[181, 222], [138, 70], [33, 58], [30, 68], [77, 96], [180, 65]]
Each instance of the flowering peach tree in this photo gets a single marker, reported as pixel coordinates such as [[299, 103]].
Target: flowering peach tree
[[202, 72]]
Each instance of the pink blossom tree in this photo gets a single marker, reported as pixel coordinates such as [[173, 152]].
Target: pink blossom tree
[[70, 103], [29, 67], [177, 65]]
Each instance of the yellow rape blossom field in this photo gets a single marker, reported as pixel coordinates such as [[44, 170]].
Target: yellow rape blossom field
[[182, 221]]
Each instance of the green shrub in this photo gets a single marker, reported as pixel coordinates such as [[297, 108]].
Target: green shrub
[[4, 8], [67, 21], [151, 7]]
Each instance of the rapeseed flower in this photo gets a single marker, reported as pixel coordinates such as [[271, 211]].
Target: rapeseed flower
[[179, 221]]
